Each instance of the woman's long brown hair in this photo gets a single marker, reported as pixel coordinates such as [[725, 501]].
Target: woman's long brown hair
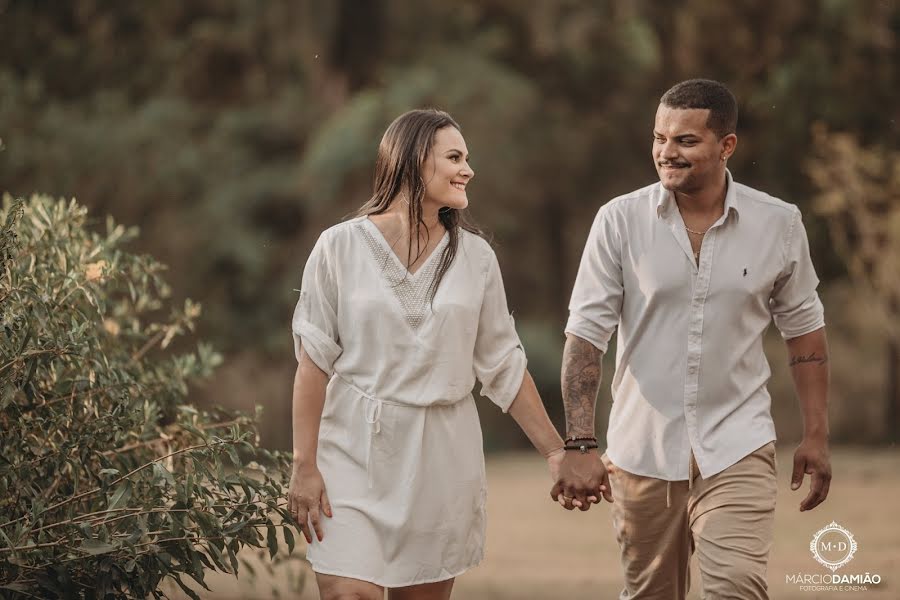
[[398, 171]]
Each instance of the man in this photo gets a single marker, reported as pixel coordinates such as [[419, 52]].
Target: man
[[692, 270]]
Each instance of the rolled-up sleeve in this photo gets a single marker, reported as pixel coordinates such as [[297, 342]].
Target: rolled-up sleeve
[[596, 301], [315, 317], [795, 305], [499, 360]]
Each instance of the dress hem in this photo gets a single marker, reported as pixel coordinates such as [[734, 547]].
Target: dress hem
[[384, 584]]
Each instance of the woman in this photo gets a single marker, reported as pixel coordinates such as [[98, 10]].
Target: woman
[[400, 309]]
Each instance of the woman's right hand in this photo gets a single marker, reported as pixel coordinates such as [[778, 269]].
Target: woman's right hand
[[308, 500]]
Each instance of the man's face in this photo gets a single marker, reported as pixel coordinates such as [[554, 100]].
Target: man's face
[[687, 154]]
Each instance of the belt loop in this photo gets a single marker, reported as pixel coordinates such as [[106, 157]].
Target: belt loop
[[668, 494]]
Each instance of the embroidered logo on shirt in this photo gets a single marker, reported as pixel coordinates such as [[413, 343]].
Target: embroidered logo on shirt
[[745, 271]]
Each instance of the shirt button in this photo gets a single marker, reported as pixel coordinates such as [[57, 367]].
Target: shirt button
[[692, 370]]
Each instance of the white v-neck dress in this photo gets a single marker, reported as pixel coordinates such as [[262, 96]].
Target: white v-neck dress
[[400, 445]]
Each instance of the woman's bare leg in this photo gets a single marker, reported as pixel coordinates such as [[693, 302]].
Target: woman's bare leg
[[440, 590], [333, 587]]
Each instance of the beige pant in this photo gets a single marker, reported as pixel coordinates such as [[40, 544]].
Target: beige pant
[[727, 519]]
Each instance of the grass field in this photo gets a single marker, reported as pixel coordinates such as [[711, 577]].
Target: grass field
[[536, 550]]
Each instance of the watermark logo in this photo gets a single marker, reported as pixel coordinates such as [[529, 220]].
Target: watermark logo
[[833, 546]]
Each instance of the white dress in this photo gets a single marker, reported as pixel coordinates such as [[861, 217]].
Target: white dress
[[400, 445]]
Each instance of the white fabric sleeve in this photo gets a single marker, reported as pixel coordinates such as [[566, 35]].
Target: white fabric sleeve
[[596, 301], [499, 360], [794, 304], [315, 317]]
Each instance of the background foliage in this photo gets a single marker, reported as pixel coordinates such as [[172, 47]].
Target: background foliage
[[109, 481], [234, 131]]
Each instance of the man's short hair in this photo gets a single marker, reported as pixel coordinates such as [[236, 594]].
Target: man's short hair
[[706, 93]]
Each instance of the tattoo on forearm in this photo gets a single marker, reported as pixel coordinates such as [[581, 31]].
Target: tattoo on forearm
[[809, 358], [580, 382]]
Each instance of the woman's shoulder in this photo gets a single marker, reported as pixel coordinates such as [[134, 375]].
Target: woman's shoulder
[[340, 233], [475, 248], [474, 241], [335, 243]]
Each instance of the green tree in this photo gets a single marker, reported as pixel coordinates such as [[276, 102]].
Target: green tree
[[110, 482], [238, 130]]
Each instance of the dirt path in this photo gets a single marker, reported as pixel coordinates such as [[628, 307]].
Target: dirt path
[[538, 551]]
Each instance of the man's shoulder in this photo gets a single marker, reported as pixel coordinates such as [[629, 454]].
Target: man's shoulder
[[628, 204], [755, 199], [636, 198]]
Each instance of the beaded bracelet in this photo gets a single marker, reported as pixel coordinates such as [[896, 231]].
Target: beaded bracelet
[[583, 444]]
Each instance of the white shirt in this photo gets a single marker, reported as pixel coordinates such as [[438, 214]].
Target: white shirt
[[690, 369]]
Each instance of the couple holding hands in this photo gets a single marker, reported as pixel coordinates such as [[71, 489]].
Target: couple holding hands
[[402, 308]]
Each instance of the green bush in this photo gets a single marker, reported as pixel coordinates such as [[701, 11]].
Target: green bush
[[110, 483]]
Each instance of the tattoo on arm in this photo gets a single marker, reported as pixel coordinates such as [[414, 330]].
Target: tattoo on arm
[[812, 357], [581, 371]]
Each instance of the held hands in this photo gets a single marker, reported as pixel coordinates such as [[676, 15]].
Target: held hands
[[554, 462], [812, 457], [581, 480], [305, 497]]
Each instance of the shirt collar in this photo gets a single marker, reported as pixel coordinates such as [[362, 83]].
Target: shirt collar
[[731, 207], [667, 198]]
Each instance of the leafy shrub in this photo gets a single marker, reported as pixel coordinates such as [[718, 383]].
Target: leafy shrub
[[109, 482]]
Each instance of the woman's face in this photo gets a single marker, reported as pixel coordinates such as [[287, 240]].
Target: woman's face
[[446, 170]]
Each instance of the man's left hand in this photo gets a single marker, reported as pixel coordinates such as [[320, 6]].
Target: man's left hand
[[812, 458]]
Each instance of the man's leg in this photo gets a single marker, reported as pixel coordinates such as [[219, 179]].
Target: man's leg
[[654, 539], [731, 518]]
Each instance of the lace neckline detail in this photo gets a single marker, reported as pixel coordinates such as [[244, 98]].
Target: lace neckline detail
[[410, 289]]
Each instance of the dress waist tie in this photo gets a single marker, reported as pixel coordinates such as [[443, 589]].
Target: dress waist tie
[[373, 408]]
